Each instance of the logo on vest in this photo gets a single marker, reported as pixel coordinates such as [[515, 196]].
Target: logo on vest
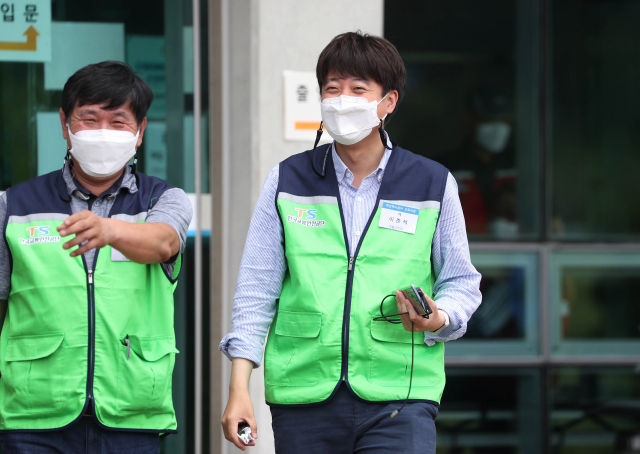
[[309, 219], [40, 234]]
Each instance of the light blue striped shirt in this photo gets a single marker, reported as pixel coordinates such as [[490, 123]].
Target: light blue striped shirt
[[263, 265]]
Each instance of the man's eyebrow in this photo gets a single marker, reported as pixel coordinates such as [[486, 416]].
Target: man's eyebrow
[[88, 112], [357, 79], [122, 113]]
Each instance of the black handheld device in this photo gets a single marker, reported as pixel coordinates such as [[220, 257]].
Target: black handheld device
[[418, 295]]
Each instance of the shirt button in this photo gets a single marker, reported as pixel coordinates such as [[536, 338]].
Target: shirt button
[[97, 204], [359, 199], [357, 232], [348, 175]]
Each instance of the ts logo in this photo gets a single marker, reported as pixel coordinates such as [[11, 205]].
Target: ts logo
[[43, 230], [311, 214]]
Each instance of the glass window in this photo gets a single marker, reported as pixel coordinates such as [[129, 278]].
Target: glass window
[[159, 48], [595, 410], [506, 323], [497, 412], [595, 141], [595, 306], [471, 105]]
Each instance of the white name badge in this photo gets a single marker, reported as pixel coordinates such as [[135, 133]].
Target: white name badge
[[117, 256], [398, 217]]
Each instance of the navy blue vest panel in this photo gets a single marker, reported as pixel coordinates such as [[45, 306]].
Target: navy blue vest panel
[[406, 177], [297, 177], [150, 189], [48, 194]]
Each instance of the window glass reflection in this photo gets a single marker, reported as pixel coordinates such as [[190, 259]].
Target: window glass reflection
[[595, 119], [464, 80], [595, 410], [506, 323], [594, 303], [592, 294], [497, 412], [501, 314], [484, 163]]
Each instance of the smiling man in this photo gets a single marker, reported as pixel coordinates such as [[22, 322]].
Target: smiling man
[[351, 245], [88, 263]]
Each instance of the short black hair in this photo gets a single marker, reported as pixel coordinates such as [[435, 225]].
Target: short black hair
[[361, 55], [109, 81]]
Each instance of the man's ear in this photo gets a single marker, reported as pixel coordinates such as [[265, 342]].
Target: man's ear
[[392, 101], [63, 123], [143, 125]]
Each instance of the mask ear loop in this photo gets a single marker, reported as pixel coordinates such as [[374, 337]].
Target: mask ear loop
[[318, 135], [66, 159], [383, 135], [135, 157], [60, 191], [326, 154]]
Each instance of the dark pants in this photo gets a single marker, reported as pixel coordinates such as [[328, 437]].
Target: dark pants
[[83, 437], [346, 425]]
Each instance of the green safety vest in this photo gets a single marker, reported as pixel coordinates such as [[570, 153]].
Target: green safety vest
[[323, 332], [64, 340]]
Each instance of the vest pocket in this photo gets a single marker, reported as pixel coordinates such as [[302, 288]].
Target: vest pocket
[[391, 358], [34, 374], [293, 357], [145, 366]]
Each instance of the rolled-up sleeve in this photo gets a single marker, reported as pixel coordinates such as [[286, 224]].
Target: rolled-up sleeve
[[173, 208], [259, 282], [457, 285]]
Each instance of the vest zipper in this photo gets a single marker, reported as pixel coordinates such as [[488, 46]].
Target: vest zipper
[[346, 317], [127, 342], [91, 330], [92, 321], [348, 291], [92, 333]]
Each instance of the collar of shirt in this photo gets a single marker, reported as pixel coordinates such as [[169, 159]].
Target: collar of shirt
[[343, 172], [126, 181]]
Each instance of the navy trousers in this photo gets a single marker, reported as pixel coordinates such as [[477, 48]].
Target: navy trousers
[[347, 425], [83, 437]]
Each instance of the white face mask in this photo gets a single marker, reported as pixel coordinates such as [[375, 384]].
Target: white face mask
[[349, 119], [493, 136], [102, 152]]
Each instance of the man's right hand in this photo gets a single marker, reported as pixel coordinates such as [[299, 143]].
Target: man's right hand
[[239, 408]]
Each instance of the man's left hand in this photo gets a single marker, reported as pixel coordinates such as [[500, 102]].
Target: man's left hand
[[88, 227], [435, 321]]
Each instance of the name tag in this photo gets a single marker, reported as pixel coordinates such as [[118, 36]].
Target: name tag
[[398, 217], [117, 256]]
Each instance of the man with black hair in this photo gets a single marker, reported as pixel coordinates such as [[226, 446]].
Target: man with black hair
[[88, 263], [339, 232]]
